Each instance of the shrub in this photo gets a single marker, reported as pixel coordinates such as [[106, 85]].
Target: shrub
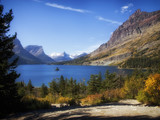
[[33, 103], [51, 99], [92, 99], [65, 100], [113, 95], [142, 97], [152, 89], [132, 86]]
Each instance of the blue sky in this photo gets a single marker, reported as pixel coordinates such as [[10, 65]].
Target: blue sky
[[73, 26]]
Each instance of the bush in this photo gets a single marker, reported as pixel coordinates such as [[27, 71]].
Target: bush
[[51, 99], [142, 97], [33, 103], [152, 89], [65, 100], [113, 95], [92, 100], [132, 86]]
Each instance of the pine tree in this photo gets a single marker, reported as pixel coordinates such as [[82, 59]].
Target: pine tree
[[62, 85], [53, 87], [8, 90], [29, 87], [44, 90], [94, 84], [110, 79], [71, 87]]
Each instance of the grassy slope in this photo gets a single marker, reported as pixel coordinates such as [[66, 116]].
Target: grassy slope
[[140, 45]]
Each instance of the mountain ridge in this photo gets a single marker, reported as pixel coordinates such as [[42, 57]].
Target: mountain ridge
[[62, 57], [24, 56], [137, 37], [38, 52]]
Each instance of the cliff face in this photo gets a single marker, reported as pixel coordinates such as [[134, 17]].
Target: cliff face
[[38, 52], [135, 25], [24, 56], [139, 33]]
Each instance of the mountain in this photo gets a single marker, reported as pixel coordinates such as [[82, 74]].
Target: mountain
[[24, 56], [133, 44], [78, 55], [38, 52], [61, 57]]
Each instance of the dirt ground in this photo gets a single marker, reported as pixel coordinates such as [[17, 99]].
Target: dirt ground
[[122, 110]]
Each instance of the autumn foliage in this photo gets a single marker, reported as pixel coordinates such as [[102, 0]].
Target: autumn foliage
[[92, 99], [65, 100], [108, 96], [152, 89]]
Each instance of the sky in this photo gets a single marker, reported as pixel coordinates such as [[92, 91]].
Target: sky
[[73, 26]]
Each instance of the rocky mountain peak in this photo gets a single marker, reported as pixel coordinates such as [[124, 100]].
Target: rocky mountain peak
[[17, 46], [38, 52], [136, 14], [35, 50], [133, 32], [134, 26]]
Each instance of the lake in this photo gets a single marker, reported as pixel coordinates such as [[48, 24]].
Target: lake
[[39, 74]]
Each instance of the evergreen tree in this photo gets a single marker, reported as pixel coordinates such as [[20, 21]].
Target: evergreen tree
[[8, 89], [53, 87], [62, 85], [82, 89], [99, 81], [44, 90], [29, 87], [110, 80], [21, 88], [94, 84], [71, 87]]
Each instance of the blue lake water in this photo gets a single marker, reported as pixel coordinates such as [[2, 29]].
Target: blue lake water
[[39, 74]]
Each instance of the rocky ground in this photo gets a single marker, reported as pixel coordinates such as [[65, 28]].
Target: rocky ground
[[123, 110]]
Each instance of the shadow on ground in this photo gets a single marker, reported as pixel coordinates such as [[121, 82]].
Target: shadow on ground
[[82, 114]]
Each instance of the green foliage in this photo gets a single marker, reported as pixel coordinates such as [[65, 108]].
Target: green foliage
[[33, 103], [142, 62], [21, 87], [30, 87], [82, 89], [142, 96], [62, 85], [134, 84], [112, 81], [8, 89], [109, 80], [94, 84], [53, 87], [44, 90], [51, 98]]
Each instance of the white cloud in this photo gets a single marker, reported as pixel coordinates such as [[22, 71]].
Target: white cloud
[[108, 20], [126, 8], [89, 49], [67, 8], [55, 54]]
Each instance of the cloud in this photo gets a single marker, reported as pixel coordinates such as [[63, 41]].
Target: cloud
[[89, 49], [108, 20], [67, 8], [126, 8]]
